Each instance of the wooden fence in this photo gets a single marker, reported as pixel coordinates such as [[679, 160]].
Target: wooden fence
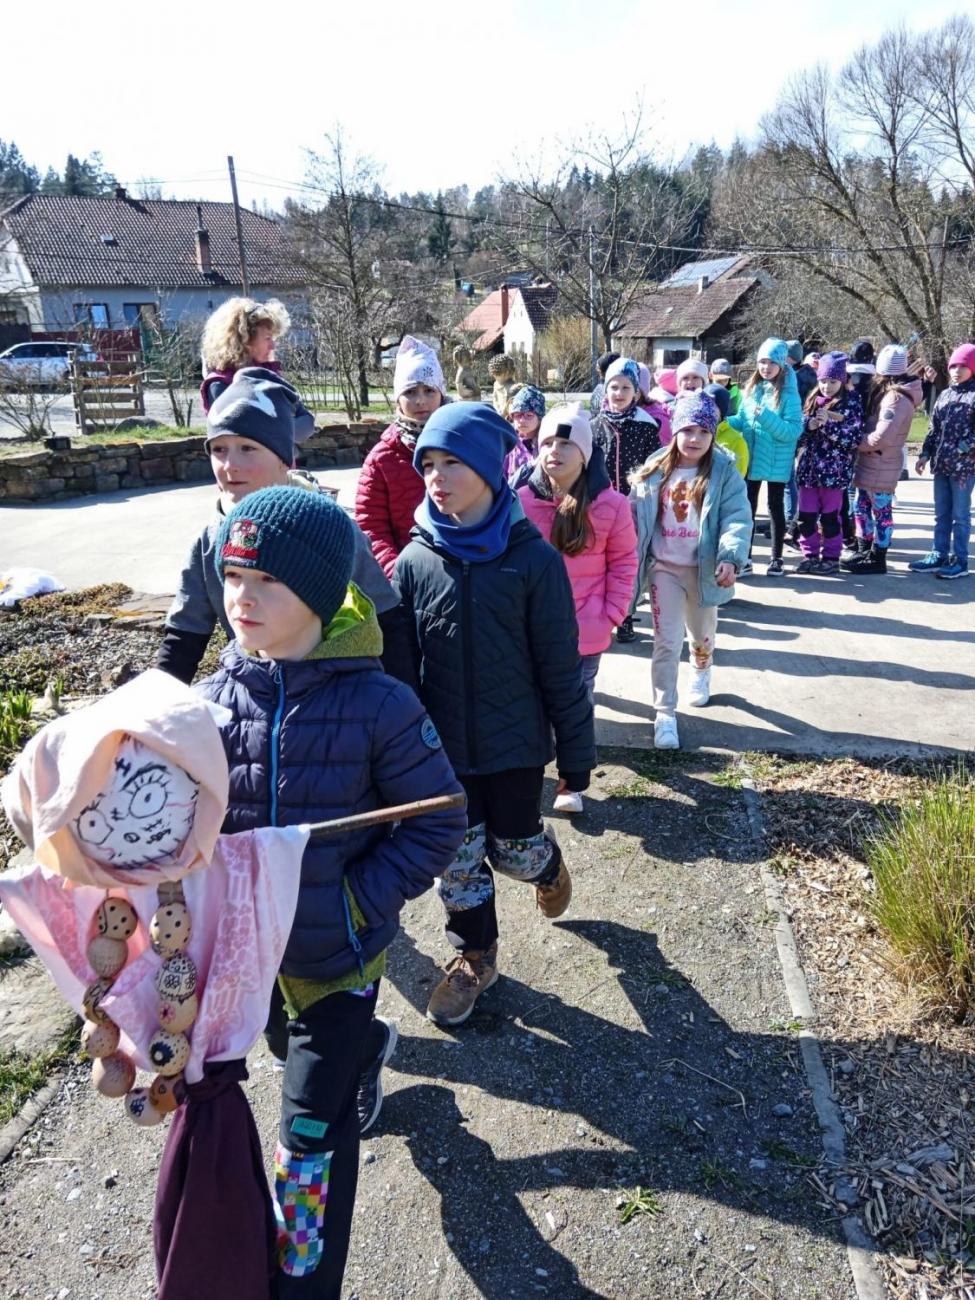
[[106, 392]]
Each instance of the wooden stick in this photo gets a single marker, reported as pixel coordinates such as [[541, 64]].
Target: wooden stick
[[381, 816]]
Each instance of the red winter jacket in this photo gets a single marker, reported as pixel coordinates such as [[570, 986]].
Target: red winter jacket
[[388, 493]]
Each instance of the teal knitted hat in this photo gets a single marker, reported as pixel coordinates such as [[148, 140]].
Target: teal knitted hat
[[301, 538], [776, 350]]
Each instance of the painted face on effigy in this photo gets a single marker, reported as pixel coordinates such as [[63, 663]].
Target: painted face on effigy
[[143, 814]]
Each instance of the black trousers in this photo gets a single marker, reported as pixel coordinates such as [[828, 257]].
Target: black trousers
[[776, 510], [324, 1049], [504, 832]]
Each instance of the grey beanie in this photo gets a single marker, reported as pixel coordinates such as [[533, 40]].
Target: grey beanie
[[259, 405]]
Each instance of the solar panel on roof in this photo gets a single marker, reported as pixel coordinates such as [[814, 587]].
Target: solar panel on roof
[[692, 271]]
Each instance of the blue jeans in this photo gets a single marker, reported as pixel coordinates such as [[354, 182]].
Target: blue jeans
[[590, 667], [952, 516], [791, 498]]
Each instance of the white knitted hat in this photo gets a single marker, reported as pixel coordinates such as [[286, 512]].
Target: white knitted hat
[[692, 367], [893, 360], [416, 363]]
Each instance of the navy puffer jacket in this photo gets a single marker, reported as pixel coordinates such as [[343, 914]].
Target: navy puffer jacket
[[325, 738], [499, 654]]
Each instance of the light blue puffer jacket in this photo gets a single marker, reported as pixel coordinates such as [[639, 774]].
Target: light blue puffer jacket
[[771, 431], [726, 527]]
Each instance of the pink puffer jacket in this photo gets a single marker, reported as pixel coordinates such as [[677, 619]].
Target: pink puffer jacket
[[880, 455], [603, 575]]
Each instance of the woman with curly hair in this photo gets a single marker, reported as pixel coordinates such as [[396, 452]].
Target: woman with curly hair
[[240, 334]]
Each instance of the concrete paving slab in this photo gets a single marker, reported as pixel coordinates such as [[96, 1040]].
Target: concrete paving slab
[[871, 665], [804, 665], [140, 537]]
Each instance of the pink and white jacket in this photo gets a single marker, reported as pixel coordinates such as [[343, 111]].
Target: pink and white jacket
[[602, 576]]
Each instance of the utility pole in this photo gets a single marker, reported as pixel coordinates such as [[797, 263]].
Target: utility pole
[[593, 344], [244, 283]]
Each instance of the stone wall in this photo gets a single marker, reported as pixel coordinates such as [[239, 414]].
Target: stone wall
[[57, 475]]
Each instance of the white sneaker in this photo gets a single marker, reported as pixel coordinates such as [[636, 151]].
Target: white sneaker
[[569, 801], [665, 732], [700, 691]]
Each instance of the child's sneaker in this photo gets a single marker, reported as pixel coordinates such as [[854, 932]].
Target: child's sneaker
[[665, 732], [746, 570], [955, 568], [809, 565], [467, 976], [700, 691], [370, 1099], [933, 560], [828, 568], [569, 801], [552, 899], [775, 569]]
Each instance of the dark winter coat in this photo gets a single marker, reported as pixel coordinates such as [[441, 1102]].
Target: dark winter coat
[[827, 454], [198, 604], [324, 738], [498, 654], [626, 444], [950, 443], [805, 381]]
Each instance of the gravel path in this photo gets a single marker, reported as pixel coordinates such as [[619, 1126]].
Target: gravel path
[[504, 1150]]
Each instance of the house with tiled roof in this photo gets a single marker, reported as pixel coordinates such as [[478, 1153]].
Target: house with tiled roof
[[67, 260], [512, 319], [694, 312]]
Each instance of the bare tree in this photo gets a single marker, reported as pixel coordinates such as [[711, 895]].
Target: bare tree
[[600, 234], [859, 178], [338, 242], [26, 405]]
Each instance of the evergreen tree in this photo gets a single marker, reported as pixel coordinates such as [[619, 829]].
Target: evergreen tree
[[17, 177], [440, 239]]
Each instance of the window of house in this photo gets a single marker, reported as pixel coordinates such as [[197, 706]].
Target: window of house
[[95, 314], [674, 356], [137, 312]]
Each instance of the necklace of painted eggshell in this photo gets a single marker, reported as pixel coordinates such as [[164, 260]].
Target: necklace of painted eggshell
[[141, 818]]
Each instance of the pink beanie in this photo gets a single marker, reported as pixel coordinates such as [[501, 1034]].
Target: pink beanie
[[667, 379], [963, 355], [569, 422]]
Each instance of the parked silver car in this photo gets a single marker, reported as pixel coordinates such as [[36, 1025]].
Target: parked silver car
[[42, 364]]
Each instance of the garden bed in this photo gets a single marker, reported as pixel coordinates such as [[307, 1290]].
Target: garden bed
[[903, 1073]]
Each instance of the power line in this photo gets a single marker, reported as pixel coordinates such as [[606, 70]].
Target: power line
[[581, 232]]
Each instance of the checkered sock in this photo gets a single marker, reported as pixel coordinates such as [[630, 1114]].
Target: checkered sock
[[300, 1194]]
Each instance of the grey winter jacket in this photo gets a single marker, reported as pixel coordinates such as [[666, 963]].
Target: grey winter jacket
[[498, 655]]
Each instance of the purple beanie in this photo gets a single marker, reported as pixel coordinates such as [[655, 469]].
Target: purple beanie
[[832, 365], [695, 408]]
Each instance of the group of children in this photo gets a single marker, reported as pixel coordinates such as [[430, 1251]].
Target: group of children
[[450, 639]]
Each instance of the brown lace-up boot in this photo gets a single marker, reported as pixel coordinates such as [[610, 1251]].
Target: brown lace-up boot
[[466, 978]]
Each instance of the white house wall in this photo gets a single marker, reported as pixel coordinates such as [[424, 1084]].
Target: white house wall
[[17, 290], [58, 305], [519, 334]]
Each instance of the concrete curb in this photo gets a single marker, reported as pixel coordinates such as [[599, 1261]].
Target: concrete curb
[[27, 1116], [860, 1248]]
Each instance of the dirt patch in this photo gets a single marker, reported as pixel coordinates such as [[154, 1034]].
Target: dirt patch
[[904, 1078], [625, 1115]]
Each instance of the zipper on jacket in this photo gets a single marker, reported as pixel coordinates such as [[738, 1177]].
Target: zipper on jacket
[[277, 676], [468, 631], [350, 931]]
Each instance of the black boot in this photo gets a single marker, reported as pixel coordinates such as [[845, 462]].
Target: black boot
[[625, 633], [875, 561], [859, 551]]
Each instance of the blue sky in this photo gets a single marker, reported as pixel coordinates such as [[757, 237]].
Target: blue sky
[[438, 94]]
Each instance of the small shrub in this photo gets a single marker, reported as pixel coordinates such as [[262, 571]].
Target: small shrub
[[923, 864]]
